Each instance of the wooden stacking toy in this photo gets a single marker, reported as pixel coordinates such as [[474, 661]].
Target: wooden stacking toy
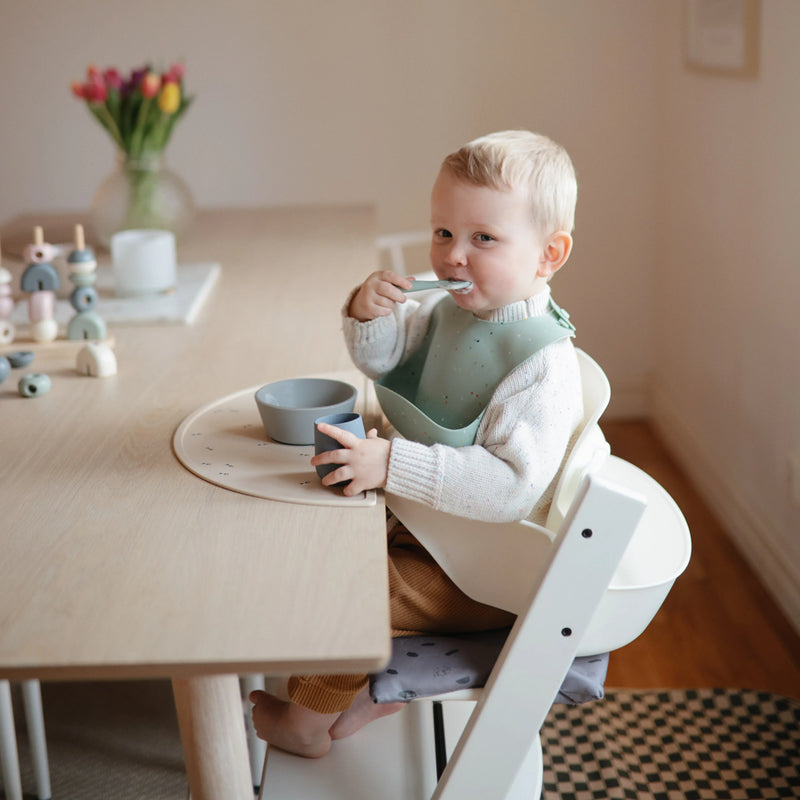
[[87, 323], [41, 281], [7, 330]]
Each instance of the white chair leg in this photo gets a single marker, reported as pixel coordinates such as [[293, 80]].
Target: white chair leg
[[9, 757], [34, 716], [256, 748]]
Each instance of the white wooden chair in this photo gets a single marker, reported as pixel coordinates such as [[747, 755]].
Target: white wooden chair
[[588, 587], [9, 759], [393, 247]]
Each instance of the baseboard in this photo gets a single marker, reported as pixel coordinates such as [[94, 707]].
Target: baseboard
[[753, 535]]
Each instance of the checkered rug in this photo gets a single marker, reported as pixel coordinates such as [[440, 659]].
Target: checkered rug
[[120, 741], [705, 744]]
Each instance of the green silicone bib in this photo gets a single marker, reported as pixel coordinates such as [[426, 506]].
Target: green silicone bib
[[439, 394]]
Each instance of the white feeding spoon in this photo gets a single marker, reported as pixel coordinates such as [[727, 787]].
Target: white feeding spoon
[[450, 284]]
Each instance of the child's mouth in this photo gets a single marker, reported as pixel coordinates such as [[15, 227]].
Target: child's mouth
[[461, 287]]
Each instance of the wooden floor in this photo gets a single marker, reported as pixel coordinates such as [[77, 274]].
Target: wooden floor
[[718, 626]]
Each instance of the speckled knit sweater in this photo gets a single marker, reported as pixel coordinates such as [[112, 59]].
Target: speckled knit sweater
[[511, 470]]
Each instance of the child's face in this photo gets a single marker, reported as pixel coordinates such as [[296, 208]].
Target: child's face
[[486, 236]]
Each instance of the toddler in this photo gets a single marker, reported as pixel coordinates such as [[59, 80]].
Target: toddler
[[482, 385]]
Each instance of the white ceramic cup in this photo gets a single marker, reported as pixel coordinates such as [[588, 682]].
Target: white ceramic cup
[[143, 262]]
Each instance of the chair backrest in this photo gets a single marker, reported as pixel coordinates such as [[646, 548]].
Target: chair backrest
[[590, 449]]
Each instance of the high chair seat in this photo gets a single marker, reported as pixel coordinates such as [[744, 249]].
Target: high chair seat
[[429, 666]]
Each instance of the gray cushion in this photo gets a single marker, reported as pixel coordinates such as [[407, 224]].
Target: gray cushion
[[422, 666]]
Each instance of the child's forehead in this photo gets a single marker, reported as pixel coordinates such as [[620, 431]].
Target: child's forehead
[[453, 193]]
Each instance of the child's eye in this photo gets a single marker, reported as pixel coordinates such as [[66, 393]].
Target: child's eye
[[443, 233], [484, 237]]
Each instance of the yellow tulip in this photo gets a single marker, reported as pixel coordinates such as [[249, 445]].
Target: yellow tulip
[[169, 98]]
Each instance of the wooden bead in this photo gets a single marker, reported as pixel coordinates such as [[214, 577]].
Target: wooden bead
[[7, 331], [83, 278], [41, 305], [38, 253], [40, 277], [20, 358], [97, 360], [44, 331], [83, 298], [86, 325], [82, 261], [34, 384]]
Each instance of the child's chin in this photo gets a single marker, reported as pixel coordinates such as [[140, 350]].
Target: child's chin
[[466, 300]]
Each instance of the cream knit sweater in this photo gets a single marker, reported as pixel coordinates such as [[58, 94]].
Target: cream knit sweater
[[511, 470]]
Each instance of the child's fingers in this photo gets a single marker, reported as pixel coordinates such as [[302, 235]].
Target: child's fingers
[[337, 476], [330, 457], [342, 436]]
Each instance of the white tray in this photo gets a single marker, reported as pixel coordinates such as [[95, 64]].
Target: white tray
[[179, 307]]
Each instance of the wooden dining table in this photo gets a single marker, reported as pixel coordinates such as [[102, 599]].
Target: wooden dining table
[[117, 562]]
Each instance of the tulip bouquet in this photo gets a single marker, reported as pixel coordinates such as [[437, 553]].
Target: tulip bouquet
[[139, 112]]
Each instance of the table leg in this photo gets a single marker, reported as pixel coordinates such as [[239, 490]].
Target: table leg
[[213, 736]]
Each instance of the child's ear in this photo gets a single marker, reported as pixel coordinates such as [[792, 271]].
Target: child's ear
[[555, 254]]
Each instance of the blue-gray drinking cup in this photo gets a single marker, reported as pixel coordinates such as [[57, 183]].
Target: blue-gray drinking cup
[[349, 421]]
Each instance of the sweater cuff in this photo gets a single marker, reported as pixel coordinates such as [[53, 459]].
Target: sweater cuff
[[413, 472], [364, 334]]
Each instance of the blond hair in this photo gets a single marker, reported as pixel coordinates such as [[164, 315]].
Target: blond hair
[[521, 159]]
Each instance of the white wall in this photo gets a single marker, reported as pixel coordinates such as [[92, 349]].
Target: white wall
[[726, 386], [301, 101], [684, 277]]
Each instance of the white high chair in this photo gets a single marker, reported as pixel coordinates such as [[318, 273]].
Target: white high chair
[[9, 760], [587, 587]]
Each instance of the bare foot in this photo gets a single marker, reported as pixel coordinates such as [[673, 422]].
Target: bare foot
[[291, 727], [360, 713]]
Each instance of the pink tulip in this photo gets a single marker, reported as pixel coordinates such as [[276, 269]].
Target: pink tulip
[[77, 89], [95, 92], [151, 83], [112, 78], [175, 73]]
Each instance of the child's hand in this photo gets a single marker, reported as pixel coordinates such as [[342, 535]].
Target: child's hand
[[377, 295], [365, 462]]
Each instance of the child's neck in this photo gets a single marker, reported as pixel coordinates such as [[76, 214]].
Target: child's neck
[[541, 285]]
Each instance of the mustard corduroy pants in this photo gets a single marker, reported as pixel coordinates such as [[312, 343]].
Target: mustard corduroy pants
[[422, 599]]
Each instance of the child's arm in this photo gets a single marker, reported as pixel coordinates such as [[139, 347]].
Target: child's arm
[[380, 344]]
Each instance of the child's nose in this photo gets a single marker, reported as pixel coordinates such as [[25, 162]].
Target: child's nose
[[456, 254]]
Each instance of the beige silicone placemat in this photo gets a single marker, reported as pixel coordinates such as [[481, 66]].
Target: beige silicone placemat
[[225, 444]]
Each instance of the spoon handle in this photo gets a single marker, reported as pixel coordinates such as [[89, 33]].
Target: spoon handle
[[444, 284]]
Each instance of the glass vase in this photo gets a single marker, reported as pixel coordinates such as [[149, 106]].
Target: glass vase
[[141, 193]]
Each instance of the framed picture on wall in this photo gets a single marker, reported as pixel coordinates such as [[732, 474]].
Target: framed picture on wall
[[722, 36]]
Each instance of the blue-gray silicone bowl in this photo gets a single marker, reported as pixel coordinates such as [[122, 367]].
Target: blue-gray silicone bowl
[[288, 408]]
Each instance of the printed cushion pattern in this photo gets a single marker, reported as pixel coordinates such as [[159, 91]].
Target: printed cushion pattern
[[422, 666]]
